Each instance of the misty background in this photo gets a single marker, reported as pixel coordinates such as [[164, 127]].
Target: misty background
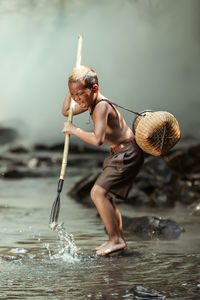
[[146, 54]]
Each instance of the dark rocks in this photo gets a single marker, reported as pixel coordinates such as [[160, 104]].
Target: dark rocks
[[12, 174], [137, 197], [185, 161], [157, 171], [150, 227], [188, 196], [153, 186], [7, 135], [17, 161], [42, 147], [154, 182], [73, 148], [195, 208], [81, 190], [18, 149], [161, 181], [196, 212], [142, 293], [188, 186], [21, 165]]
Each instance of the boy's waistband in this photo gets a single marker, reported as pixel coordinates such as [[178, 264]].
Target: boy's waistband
[[121, 146]]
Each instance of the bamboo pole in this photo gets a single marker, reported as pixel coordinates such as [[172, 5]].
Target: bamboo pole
[[70, 115]]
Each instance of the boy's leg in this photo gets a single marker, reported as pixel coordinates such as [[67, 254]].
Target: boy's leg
[[119, 221], [109, 218]]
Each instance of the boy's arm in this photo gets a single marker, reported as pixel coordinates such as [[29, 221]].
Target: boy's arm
[[66, 105], [97, 137]]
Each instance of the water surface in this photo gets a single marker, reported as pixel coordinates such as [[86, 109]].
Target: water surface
[[35, 263]]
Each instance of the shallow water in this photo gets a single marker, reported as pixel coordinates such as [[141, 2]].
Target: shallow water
[[34, 262]]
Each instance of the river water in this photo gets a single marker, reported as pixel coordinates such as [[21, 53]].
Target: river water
[[38, 262]]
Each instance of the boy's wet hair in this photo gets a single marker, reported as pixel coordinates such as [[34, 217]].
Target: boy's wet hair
[[86, 74]]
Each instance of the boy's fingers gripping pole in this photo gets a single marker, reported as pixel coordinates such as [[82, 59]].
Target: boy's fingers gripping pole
[[56, 205]]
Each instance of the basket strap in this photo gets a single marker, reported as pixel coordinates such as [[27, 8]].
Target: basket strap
[[132, 111], [112, 103]]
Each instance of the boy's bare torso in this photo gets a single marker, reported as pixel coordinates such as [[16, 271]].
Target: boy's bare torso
[[116, 131], [109, 125]]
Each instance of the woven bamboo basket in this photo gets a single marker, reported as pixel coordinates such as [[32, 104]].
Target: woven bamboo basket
[[156, 132]]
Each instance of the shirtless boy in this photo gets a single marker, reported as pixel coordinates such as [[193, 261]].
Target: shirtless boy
[[120, 167]]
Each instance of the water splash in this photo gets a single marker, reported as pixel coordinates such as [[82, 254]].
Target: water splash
[[143, 293], [18, 250], [67, 249]]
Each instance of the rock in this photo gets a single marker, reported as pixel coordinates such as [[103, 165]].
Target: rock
[[196, 212], [84, 163], [154, 173], [81, 190], [12, 174], [163, 197], [137, 197], [188, 196], [149, 188], [7, 135], [10, 162], [150, 227], [44, 161], [185, 160], [188, 187], [154, 184], [41, 147], [33, 163], [18, 149], [195, 208], [160, 182], [73, 148], [142, 293]]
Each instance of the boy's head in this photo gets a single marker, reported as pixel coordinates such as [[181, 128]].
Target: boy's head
[[83, 86], [86, 74]]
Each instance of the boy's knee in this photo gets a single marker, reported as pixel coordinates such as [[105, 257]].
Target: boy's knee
[[94, 191], [97, 191]]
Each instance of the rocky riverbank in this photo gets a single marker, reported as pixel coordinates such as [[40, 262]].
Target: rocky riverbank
[[162, 181], [19, 162]]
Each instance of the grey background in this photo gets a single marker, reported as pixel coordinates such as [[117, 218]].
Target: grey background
[[145, 52]]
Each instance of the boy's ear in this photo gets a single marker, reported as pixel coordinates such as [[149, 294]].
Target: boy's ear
[[95, 87]]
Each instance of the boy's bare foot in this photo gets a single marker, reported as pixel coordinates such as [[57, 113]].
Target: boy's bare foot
[[99, 247], [110, 247]]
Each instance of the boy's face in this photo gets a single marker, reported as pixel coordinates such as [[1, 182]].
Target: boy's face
[[83, 96]]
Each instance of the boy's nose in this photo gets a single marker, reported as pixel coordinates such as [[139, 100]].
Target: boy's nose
[[77, 99]]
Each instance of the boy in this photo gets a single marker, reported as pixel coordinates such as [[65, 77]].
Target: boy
[[120, 167]]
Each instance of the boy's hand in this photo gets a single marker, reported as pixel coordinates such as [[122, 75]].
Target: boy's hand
[[68, 127]]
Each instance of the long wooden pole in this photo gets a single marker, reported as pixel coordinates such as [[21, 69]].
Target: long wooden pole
[[70, 115]]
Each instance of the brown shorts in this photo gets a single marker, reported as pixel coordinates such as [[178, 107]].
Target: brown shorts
[[120, 170]]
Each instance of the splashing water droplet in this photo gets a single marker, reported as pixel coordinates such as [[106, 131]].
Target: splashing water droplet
[[67, 250]]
